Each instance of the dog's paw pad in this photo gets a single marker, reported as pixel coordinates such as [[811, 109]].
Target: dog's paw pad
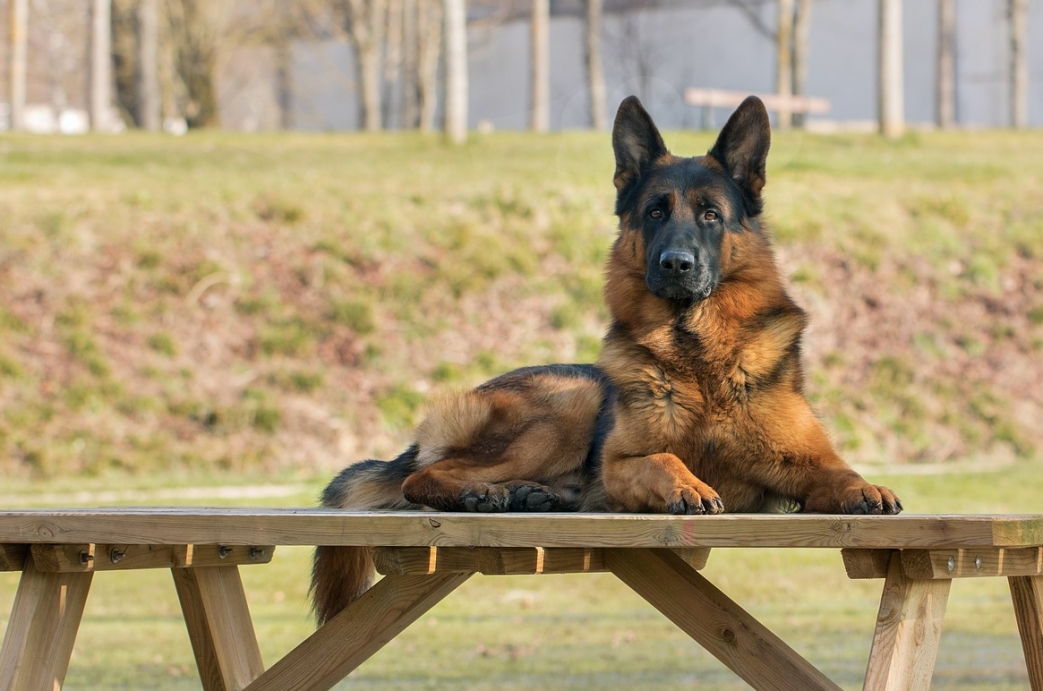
[[486, 501], [533, 498]]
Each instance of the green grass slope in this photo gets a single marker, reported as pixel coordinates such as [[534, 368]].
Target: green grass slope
[[268, 303]]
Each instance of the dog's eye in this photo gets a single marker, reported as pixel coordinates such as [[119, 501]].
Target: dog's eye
[[710, 215], [655, 213]]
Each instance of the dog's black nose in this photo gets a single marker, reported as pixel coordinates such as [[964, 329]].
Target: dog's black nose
[[677, 262]]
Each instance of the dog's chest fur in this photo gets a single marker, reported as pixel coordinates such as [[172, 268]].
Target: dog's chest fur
[[699, 376]]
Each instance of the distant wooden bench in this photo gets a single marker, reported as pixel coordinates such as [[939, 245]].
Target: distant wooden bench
[[709, 99], [425, 556]]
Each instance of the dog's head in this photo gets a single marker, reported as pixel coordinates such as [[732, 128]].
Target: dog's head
[[684, 208]]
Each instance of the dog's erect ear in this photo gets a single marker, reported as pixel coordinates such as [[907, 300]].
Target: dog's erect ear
[[742, 148], [636, 141]]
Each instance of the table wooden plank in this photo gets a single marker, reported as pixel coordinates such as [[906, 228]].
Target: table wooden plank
[[908, 630], [946, 563], [12, 557], [490, 561], [42, 630], [696, 557], [101, 557], [1027, 594], [198, 630], [350, 638], [406, 529], [1018, 531], [972, 563], [706, 614], [866, 563], [215, 595]]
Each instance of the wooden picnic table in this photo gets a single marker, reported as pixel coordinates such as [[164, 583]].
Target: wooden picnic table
[[424, 556], [709, 99]]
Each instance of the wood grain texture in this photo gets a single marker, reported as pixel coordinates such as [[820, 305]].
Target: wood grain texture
[[12, 557], [103, 557], [866, 563], [696, 557], [1017, 531], [972, 563], [718, 624], [198, 630], [351, 637], [908, 630], [1027, 595], [220, 627], [417, 529], [40, 635], [490, 561]]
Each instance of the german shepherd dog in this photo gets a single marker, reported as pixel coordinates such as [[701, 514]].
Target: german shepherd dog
[[695, 405]]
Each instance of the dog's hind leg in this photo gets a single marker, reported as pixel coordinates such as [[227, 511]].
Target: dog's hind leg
[[518, 443], [506, 449], [530, 472], [461, 485]]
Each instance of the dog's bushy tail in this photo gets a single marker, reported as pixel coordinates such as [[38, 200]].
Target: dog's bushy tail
[[340, 575]]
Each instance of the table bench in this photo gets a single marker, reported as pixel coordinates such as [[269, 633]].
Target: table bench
[[426, 555], [708, 99]]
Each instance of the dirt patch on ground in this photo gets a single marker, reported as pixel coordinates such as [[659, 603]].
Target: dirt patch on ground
[[909, 363]]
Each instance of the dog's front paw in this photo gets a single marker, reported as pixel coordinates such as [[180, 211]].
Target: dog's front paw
[[870, 499], [531, 497], [485, 498], [694, 499]]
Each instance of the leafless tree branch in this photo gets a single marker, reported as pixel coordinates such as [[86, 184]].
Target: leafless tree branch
[[751, 10]]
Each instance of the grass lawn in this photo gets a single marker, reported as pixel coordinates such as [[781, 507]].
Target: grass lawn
[[554, 632], [277, 302]]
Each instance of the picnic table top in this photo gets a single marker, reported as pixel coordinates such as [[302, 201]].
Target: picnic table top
[[314, 526]]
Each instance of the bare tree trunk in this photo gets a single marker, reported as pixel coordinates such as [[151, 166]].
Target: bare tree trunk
[[946, 64], [393, 64], [456, 70], [784, 63], [284, 82], [410, 50], [539, 102], [429, 32], [1017, 11], [195, 38], [595, 69], [173, 94], [369, 78], [19, 25], [892, 106], [149, 102], [367, 35], [801, 39], [101, 64]]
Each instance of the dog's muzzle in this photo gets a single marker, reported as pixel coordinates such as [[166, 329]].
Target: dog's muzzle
[[679, 276]]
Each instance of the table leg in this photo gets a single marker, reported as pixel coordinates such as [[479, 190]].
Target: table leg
[[350, 638], [219, 626], [714, 621], [40, 635], [908, 631], [1027, 594]]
